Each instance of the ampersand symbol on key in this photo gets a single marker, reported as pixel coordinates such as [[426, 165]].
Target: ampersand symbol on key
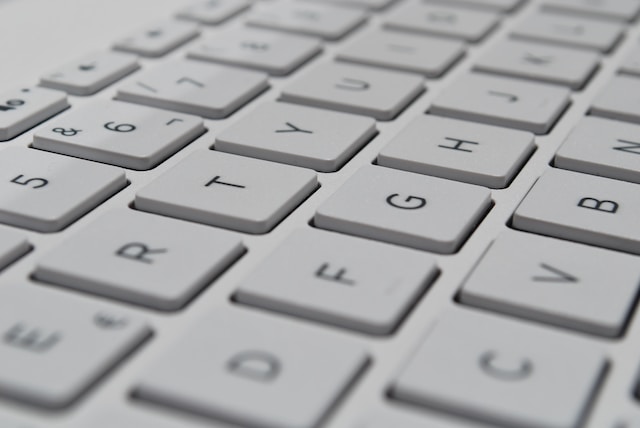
[[67, 132]]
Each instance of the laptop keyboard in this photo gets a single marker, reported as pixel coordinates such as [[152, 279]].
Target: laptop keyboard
[[328, 213]]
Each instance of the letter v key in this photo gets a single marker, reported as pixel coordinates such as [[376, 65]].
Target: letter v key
[[558, 275]]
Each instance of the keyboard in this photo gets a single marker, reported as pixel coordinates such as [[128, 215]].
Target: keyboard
[[319, 214]]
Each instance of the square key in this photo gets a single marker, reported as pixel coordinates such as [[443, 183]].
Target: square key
[[340, 280], [273, 52], [457, 150], [368, 91], [55, 346], [405, 209], [503, 372], [253, 370], [140, 258], [556, 282], [502, 101], [193, 87], [117, 133], [46, 192], [229, 191], [430, 56], [604, 147], [304, 136], [583, 208]]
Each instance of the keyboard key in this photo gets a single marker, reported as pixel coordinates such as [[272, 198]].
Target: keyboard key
[[555, 282], [120, 134], [213, 12], [405, 209], [583, 208], [614, 101], [619, 10], [600, 36], [13, 245], [229, 191], [253, 373], [133, 417], [602, 147], [272, 52], [47, 192], [503, 372], [493, 5], [355, 89], [374, 5], [529, 106], [415, 419], [631, 65], [159, 39], [313, 19], [91, 73], [55, 347], [456, 150], [424, 18], [429, 56], [545, 63], [211, 91], [340, 280], [302, 136], [22, 109], [140, 258]]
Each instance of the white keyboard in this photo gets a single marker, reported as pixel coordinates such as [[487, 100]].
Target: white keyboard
[[319, 214]]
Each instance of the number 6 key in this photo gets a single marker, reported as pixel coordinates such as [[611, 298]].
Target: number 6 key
[[121, 134]]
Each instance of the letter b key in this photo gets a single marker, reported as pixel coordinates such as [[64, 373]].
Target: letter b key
[[583, 208]]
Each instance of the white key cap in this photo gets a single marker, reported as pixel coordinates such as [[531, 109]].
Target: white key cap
[[253, 373], [405, 209], [54, 347], [503, 372], [355, 89], [602, 147], [545, 63], [213, 12], [574, 32], [406, 419], [22, 109], [324, 21], [631, 64], [429, 56], [558, 282], [135, 417], [211, 91], [269, 51], [141, 258], [10, 423], [365, 4], [340, 280], [420, 17], [91, 73], [119, 133], [302, 136], [615, 102], [159, 39], [494, 5], [456, 150], [583, 208], [619, 10], [529, 106], [228, 191], [13, 245], [47, 192]]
